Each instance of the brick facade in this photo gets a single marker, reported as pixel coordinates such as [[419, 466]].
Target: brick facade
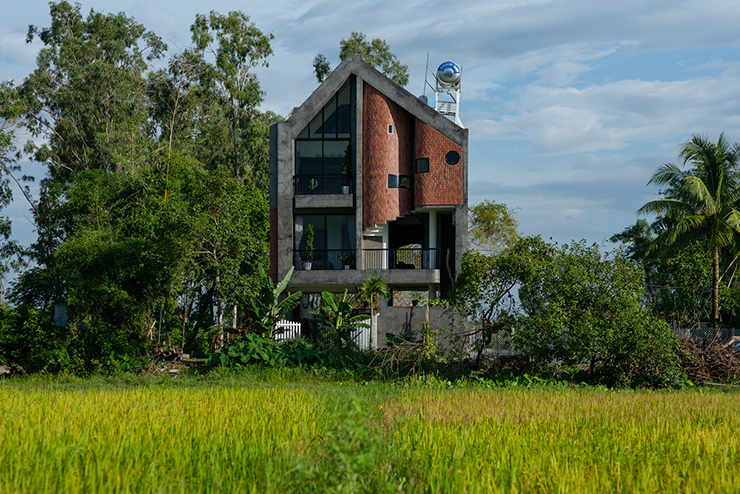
[[383, 154], [443, 184]]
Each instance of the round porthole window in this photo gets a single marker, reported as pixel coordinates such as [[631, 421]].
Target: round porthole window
[[452, 158]]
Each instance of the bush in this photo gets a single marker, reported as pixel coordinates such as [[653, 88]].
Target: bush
[[580, 307], [253, 349]]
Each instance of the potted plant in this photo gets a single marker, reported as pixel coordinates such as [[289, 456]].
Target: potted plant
[[348, 259], [347, 170], [308, 258]]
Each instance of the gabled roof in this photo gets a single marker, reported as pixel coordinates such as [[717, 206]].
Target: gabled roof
[[353, 65]]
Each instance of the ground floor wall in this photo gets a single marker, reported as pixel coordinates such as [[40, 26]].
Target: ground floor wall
[[408, 322]]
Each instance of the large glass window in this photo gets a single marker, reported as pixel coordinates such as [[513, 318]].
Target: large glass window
[[322, 144], [334, 242], [331, 231]]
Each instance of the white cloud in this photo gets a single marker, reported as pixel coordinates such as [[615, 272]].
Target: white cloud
[[609, 116], [15, 55]]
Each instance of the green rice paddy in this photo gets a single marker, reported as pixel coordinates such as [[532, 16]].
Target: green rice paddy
[[257, 433]]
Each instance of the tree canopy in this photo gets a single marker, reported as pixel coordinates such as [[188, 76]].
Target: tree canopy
[[699, 203], [376, 52], [153, 215]]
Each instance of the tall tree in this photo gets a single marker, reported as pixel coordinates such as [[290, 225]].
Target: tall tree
[[699, 203], [87, 96], [492, 227], [238, 46], [376, 52], [10, 112]]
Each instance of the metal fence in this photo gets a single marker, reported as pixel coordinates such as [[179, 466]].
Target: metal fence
[[324, 260], [722, 336], [401, 258]]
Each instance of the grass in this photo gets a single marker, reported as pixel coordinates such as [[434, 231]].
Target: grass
[[293, 431]]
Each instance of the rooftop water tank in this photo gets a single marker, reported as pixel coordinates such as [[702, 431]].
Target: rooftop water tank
[[448, 73]]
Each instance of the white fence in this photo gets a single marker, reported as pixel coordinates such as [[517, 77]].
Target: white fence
[[290, 330], [365, 338]]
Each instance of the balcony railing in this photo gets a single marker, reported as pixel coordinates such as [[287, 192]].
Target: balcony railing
[[323, 184], [401, 258], [336, 259], [324, 260]]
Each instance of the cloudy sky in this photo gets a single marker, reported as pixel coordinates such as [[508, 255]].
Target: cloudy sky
[[571, 104]]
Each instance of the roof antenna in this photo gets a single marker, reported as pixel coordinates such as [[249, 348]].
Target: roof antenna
[[426, 72]]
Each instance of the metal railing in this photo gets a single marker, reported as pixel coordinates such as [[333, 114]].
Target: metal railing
[[336, 259], [401, 258], [324, 260], [323, 184]]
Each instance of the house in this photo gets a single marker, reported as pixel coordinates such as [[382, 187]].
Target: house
[[379, 179]]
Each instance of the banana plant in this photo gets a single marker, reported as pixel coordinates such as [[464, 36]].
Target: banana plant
[[335, 314], [268, 308]]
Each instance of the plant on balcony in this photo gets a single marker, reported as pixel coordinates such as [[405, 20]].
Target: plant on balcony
[[347, 258], [347, 167], [309, 244]]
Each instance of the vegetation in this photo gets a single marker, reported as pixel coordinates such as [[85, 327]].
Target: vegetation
[[336, 315], [492, 227], [270, 306], [570, 305], [152, 217], [152, 223], [701, 203], [375, 52], [289, 431]]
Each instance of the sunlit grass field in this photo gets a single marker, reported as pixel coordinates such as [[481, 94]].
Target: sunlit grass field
[[290, 432]]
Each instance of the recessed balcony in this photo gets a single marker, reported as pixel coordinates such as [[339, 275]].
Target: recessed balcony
[[323, 184], [373, 259]]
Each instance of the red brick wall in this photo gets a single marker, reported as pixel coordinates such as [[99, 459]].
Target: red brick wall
[[384, 154], [273, 244], [443, 184]]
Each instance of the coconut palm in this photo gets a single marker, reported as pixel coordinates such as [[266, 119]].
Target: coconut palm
[[699, 204], [371, 290]]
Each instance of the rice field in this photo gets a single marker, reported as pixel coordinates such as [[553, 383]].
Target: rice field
[[300, 434]]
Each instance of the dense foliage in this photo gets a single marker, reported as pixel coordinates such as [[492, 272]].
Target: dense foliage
[[569, 305], [152, 217]]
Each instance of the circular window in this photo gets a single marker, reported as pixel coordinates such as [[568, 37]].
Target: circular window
[[452, 158]]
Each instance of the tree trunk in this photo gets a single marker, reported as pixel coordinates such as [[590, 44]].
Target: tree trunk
[[234, 122], [715, 290], [220, 312], [372, 318]]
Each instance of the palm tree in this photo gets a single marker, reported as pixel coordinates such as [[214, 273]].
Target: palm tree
[[372, 289], [700, 203]]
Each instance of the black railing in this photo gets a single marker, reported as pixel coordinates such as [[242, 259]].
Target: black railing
[[401, 258], [323, 184], [336, 259], [324, 260]]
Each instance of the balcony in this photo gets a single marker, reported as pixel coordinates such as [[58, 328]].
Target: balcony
[[403, 258], [393, 259], [323, 184], [324, 260]]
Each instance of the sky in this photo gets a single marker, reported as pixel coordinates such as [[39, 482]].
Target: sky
[[571, 104]]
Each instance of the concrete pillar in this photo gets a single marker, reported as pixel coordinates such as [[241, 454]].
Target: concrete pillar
[[432, 229], [385, 232], [434, 256]]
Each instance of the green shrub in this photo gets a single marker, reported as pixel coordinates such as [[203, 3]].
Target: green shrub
[[582, 307]]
